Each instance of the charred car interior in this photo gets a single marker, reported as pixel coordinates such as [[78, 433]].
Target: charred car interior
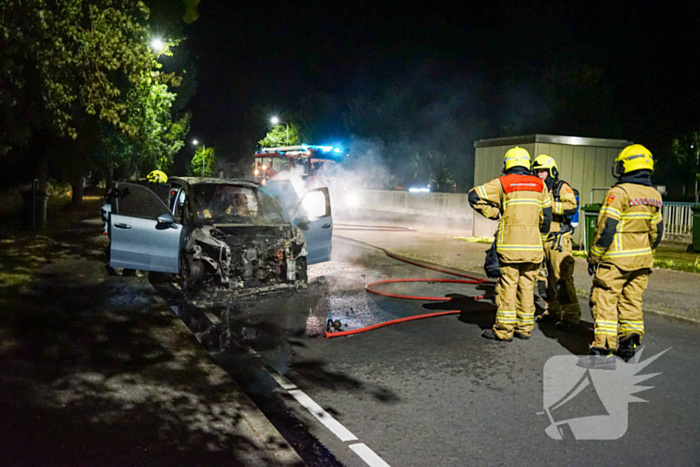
[[219, 234]]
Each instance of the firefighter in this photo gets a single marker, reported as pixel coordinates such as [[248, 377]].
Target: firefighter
[[561, 302], [628, 231], [157, 176], [521, 203]]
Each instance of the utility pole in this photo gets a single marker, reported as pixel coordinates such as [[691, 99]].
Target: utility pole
[[697, 165]]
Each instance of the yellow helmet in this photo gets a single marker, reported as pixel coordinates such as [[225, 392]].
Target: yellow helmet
[[633, 157], [545, 162], [516, 157], [157, 176]]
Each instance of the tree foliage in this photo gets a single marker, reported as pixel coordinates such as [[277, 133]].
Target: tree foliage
[[204, 162], [683, 167], [157, 138], [281, 135], [75, 58], [83, 71]]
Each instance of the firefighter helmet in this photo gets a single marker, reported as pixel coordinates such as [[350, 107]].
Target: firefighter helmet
[[545, 162], [633, 157], [157, 176], [516, 157]]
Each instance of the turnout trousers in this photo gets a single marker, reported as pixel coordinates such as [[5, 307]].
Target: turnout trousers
[[562, 302], [616, 304], [515, 299]]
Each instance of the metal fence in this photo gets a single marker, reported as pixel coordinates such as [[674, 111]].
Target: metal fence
[[678, 217], [414, 203], [678, 221]]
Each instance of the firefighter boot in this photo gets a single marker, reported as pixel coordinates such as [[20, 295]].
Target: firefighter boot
[[598, 359], [489, 334], [627, 346], [546, 317]]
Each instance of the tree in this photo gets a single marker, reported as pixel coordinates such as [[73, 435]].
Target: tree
[[157, 138], [683, 167], [204, 162], [281, 135], [73, 69]]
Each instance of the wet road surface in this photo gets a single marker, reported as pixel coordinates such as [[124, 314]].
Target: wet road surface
[[432, 392]]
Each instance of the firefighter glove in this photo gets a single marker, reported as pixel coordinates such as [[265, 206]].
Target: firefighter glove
[[592, 268], [492, 266]]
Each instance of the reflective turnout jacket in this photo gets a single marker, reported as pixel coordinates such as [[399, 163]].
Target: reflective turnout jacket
[[564, 207], [629, 227], [520, 200]]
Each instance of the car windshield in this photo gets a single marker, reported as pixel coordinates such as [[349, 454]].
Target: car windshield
[[230, 204]]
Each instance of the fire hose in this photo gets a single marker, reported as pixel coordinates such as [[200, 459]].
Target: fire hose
[[369, 288]]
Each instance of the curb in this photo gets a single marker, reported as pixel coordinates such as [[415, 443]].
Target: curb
[[276, 446]]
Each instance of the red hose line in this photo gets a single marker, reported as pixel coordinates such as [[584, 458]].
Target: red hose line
[[368, 288], [421, 265], [389, 323]]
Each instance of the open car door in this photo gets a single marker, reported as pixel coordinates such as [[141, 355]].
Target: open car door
[[313, 216], [143, 233]]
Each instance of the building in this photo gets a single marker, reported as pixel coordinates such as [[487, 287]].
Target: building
[[586, 163]]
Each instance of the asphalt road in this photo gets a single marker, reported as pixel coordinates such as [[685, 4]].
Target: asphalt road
[[433, 392]]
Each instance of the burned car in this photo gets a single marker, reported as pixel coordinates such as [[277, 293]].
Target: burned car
[[224, 234]]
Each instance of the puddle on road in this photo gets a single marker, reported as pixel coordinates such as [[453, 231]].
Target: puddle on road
[[336, 299]]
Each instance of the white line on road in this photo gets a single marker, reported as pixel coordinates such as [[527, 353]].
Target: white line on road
[[324, 417], [361, 449], [281, 380], [367, 455]]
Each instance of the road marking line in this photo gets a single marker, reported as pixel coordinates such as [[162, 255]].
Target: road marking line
[[324, 417], [361, 449], [281, 380], [366, 454]]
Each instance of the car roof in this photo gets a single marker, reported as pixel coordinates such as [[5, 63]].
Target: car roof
[[216, 181]]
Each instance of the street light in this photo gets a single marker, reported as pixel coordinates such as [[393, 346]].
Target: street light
[[204, 148], [277, 121], [157, 44]]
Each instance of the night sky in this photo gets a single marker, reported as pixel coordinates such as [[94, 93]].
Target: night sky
[[271, 54]]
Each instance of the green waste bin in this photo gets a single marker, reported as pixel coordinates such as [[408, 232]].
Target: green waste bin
[[695, 246], [590, 219]]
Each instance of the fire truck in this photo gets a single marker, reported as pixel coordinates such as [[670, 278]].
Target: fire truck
[[313, 163]]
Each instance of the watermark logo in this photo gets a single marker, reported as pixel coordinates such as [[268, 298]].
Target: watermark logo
[[591, 401]]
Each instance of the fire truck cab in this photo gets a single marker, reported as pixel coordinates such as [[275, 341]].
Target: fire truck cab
[[310, 160]]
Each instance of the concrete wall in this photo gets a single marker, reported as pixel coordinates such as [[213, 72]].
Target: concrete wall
[[584, 162]]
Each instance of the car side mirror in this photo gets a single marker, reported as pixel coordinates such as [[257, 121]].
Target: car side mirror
[[303, 224], [166, 219]]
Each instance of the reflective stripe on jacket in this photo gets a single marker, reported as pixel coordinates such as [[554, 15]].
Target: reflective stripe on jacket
[[519, 199], [637, 211]]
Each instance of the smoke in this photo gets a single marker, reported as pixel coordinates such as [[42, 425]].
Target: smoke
[[296, 178]]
